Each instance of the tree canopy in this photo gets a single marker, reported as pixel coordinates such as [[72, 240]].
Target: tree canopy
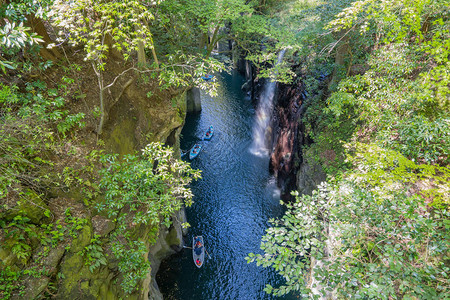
[[378, 227]]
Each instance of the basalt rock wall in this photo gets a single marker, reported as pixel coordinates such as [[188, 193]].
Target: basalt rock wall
[[292, 170], [288, 136]]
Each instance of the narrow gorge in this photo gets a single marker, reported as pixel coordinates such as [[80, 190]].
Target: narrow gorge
[[306, 142]]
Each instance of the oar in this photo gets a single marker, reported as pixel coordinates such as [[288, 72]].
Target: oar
[[209, 256], [187, 247]]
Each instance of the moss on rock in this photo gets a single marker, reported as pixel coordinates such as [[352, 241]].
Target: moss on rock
[[7, 258], [172, 238], [121, 139], [83, 239], [30, 205]]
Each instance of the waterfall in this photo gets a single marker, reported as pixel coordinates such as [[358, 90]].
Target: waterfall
[[262, 130]]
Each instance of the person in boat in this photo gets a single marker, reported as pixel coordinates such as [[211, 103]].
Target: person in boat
[[198, 246], [198, 262], [198, 250]]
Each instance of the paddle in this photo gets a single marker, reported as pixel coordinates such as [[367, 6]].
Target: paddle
[[209, 256]]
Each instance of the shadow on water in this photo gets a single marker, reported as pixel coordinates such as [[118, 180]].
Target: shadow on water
[[232, 204]]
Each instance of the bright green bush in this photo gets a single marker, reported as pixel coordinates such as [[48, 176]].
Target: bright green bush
[[142, 190], [368, 235]]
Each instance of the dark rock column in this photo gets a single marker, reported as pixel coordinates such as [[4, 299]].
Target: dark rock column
[[287, 137], [193, 102]]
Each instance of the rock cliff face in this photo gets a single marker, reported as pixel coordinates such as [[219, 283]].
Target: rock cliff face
[[139, 120], [60, 268], [288, 136], [253, 86], [292, 170], [193, 102]]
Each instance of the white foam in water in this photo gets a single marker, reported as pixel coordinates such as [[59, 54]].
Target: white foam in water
[[276, 192], [263, 114]]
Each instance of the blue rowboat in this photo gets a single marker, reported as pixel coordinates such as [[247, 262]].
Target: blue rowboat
[[198, 251], [195, 151], [208, 134], [207, 77]]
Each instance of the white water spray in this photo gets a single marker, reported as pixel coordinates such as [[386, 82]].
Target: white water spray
[[262, 129]]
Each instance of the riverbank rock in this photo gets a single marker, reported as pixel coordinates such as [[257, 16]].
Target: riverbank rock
[[193, 100]]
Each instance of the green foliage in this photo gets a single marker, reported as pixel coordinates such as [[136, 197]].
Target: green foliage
[[133, 263], [176, 20], [48, 106], [15, 37], [422, 139], [42, 103], [23, 238], [9, 282], [152, 186], [367, 235], [19, 10], [296, 26], [18, 232], [182, 70], [27, 137], [125, 22], [391, 107], [93, 254], [379, 227], [142, 190], [122, 28], [53, 234]]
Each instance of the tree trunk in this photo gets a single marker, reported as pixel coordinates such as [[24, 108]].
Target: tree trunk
[[214, 40], [155, 57], [339, 61], [101, 90], [203, 41], [142, 61]]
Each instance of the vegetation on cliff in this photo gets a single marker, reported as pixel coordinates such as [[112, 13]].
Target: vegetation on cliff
[[376, 76], [63, 203], [76, 220]]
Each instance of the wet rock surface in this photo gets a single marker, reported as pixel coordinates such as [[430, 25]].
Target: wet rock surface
[[287, 136]]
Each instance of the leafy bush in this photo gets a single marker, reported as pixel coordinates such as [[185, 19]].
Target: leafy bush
[[9, 282], [27, 136], [421, 139], [368, 235], [142, 190], [93, 254]]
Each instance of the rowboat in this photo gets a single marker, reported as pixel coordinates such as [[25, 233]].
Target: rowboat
[[195, 151], [207, 77], [208, 134], [198, 251]]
